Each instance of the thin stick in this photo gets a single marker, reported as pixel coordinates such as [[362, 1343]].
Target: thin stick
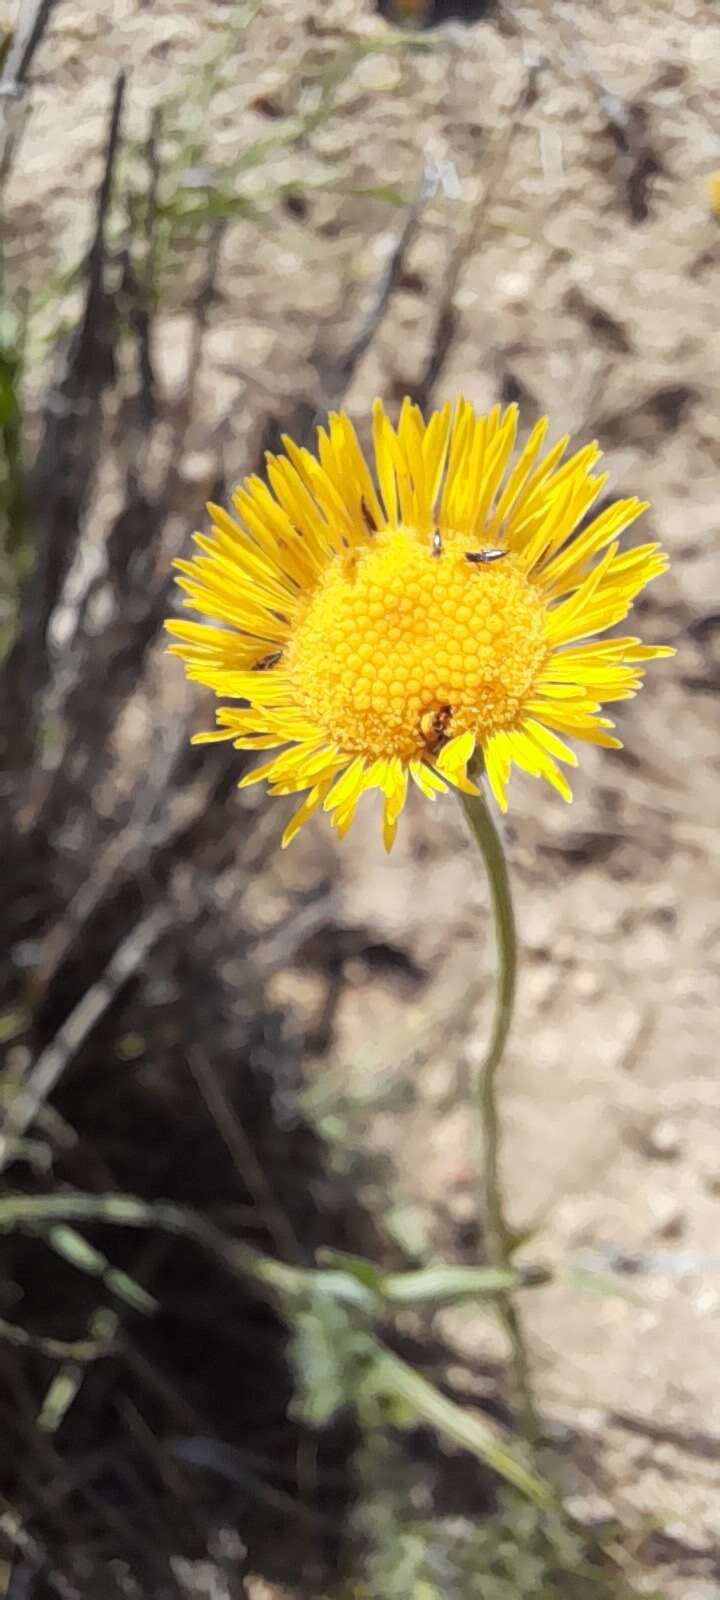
[[51, 1064], [244, 1155], [32, 22], [336, 385], [58, 1349], [497, 1231], [446, 316]]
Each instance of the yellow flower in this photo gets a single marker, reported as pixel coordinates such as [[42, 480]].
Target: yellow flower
[[418, 628], [714, 192]]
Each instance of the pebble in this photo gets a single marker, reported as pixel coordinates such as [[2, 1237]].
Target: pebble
[[661, 1140], [669, 1217]]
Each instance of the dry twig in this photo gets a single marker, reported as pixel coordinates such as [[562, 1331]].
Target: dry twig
[[50, 1066]]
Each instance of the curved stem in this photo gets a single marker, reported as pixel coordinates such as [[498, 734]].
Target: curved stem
[[498, 1233]]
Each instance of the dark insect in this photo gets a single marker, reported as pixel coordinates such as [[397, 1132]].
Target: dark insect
[[433, 729], [483, 557], [437, 544], [367, 517], [432, 13], [266, 662]]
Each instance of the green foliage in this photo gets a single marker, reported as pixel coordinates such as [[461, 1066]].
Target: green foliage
[[331, 1355], [516, 1551], [340, 1362]]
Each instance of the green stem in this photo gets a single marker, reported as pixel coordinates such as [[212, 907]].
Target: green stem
[[498, 1234]]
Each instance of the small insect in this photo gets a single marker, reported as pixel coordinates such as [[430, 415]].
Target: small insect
[[437, 544], [367, 516], [433, 729], [482, 558], [266, 662]]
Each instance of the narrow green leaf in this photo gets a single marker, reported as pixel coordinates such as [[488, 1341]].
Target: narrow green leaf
[[391, 1376], [386, 192], [358, 1266], [448, 1282], [603, 1284], [345, 1287], [75, 1249]]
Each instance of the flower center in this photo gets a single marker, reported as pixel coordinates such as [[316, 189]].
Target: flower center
[[400, 649]]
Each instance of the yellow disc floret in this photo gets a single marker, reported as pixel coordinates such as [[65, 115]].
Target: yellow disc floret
[[399, 649]]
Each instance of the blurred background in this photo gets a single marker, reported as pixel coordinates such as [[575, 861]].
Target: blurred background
[[218, 221]]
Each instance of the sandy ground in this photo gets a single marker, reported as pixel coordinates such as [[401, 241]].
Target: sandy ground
[[589, 291]]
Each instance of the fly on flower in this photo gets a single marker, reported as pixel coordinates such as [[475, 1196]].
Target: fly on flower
[[424, 623]]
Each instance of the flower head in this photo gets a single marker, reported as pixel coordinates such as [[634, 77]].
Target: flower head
[[439, 618], [714, 192]]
